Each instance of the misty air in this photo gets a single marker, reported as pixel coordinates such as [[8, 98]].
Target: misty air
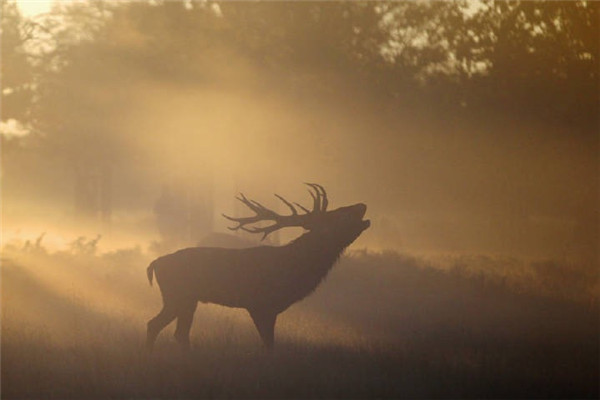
[[289, 199]]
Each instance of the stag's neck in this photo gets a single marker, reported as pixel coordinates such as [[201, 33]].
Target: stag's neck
[[308, 259], [315, 254]]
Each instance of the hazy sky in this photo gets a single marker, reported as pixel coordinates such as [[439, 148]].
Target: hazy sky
[[31, 8]]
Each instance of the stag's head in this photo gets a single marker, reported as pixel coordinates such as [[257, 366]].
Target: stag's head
[[345, 223]]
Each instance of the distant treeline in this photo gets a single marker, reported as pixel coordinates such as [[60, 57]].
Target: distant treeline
[[534, 58]]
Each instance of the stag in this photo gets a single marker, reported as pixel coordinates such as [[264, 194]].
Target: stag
[[264, 280]]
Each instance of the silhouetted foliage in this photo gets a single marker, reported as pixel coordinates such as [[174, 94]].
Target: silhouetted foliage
[[16, 72], [533, 57], [536, 59]]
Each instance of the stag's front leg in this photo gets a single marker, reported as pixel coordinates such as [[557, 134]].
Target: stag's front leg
[[184, 324], [265, 324]]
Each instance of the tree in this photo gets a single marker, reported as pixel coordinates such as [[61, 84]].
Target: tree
[[536, 58], [16, 72]]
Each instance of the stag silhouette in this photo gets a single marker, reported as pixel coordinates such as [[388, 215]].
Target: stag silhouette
[[264, 280]]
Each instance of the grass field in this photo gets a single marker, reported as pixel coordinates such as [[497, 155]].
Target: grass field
[[383, 325]]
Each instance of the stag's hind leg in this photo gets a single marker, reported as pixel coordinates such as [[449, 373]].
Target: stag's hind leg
[[185, 317], [157, 324], [265, 324]]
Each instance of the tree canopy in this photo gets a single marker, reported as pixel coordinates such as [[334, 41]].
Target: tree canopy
[[533, 57]]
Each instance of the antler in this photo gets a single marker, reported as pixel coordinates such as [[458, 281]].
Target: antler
[[320, 200], [263, 213]]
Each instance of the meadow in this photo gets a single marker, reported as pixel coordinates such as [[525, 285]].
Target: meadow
[[383, 325]]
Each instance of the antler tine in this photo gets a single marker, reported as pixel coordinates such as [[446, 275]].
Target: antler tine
[[240, 221], [320, 200], [248, 203], [263, 208], [261, 213], [302, 207], [265, 231], [259, 209], [287, 203], [316, 197], [324, 201]]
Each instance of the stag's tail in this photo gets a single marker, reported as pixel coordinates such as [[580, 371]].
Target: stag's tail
[[150, 272]]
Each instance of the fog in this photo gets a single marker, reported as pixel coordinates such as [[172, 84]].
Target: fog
[[469, 129], [485, 184], [217, 120]]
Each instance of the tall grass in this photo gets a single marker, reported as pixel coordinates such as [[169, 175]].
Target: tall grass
[[383, 325]]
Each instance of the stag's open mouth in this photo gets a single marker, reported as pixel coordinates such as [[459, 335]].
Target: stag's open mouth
[[363, 210]]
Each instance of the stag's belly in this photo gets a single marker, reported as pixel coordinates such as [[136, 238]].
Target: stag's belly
[[240, 286]]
